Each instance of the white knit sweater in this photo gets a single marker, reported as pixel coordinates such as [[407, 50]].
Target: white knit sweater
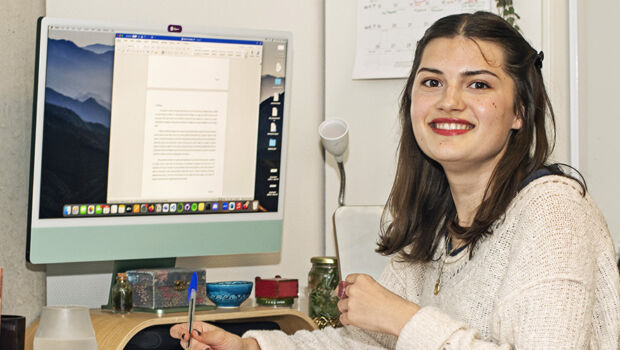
[[545, 279]]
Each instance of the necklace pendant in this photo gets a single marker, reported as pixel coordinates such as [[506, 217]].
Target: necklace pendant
[[437, 287]]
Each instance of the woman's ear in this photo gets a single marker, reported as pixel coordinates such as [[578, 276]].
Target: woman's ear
[[517, 122]]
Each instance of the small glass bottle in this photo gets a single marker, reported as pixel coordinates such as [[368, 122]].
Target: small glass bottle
[[323, 300], [122, 295]]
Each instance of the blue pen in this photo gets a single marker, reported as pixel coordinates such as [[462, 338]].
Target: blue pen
[[191, 298]]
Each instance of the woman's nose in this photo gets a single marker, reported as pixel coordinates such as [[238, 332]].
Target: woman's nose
[[451, 99]]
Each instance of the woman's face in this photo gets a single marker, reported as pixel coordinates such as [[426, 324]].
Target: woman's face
[[462, 104]]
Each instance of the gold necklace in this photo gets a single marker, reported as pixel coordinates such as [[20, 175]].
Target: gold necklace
[[443, 261]]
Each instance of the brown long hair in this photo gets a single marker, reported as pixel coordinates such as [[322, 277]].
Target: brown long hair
[[420, 202]]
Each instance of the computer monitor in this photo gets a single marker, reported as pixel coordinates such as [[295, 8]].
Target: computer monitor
[[156, 141]]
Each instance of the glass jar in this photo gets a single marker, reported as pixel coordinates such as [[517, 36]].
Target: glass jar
[[122, 295], [323, 300]]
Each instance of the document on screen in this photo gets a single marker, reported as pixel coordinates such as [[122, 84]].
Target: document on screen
[[184, 127], [168, 126], [184, 144]]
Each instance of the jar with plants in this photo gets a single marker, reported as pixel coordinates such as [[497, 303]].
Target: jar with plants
[[323, 300], [122, 295]]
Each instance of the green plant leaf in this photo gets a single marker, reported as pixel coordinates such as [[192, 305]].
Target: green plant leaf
[[506, 8]]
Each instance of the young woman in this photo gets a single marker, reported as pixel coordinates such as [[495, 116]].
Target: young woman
[[492, 247]]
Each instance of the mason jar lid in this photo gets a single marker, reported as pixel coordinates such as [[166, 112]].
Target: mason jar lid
[[324, 260]]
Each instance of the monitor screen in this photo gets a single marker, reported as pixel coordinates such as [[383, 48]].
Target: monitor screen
[[154, 142]]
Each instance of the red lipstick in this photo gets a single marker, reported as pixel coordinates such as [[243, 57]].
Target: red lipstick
[[450, 126]]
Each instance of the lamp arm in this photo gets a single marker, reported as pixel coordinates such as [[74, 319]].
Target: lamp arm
[[342, 183]]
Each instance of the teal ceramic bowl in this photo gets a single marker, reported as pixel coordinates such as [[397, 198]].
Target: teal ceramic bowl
[[229, 293]]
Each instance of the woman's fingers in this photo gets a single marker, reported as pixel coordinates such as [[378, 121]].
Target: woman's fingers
[[343, 305], [195, 345], [181, 332], [351, 278], [214, 335], [178, 330], [198, 342], [206, 336]]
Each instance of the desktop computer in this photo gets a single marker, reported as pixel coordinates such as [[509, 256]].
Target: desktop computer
[[156, 141]]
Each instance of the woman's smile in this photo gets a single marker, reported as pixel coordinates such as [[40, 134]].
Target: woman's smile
[[450, 126]]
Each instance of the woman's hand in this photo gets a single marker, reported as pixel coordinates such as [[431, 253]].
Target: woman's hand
[[206, 336], [370, 306]]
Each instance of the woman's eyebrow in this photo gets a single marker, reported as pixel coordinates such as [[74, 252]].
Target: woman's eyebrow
[[478, 72], [466, 73], [431, 70]]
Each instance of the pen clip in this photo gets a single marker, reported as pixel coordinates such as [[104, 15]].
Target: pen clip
[[191, 298]]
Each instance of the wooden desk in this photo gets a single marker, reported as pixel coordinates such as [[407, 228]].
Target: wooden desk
[[113, 331]]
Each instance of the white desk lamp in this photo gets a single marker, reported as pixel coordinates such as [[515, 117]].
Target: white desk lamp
[[357, 227], [335, 139]]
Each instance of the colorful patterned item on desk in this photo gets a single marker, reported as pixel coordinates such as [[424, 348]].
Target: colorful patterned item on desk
[[165, 288]]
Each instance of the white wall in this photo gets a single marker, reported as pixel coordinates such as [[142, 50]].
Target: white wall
[[370, 107], [24, 284], [303, 220], [599, 120]]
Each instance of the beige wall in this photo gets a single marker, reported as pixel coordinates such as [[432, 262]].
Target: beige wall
[[599, 120], [555, 40], [23, 285]]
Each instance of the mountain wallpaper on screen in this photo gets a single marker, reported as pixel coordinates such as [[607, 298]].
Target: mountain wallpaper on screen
[[88, 110], [78, 72], [99, 48], [75, 161], [76, 128]]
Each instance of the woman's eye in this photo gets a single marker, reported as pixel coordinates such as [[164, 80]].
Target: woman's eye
[[479, 85], [431, 83]]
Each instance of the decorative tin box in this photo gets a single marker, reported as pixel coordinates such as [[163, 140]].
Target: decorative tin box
[[276, 291], [165, 288]]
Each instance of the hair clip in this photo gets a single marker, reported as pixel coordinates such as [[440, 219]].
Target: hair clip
[[539, 60]]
